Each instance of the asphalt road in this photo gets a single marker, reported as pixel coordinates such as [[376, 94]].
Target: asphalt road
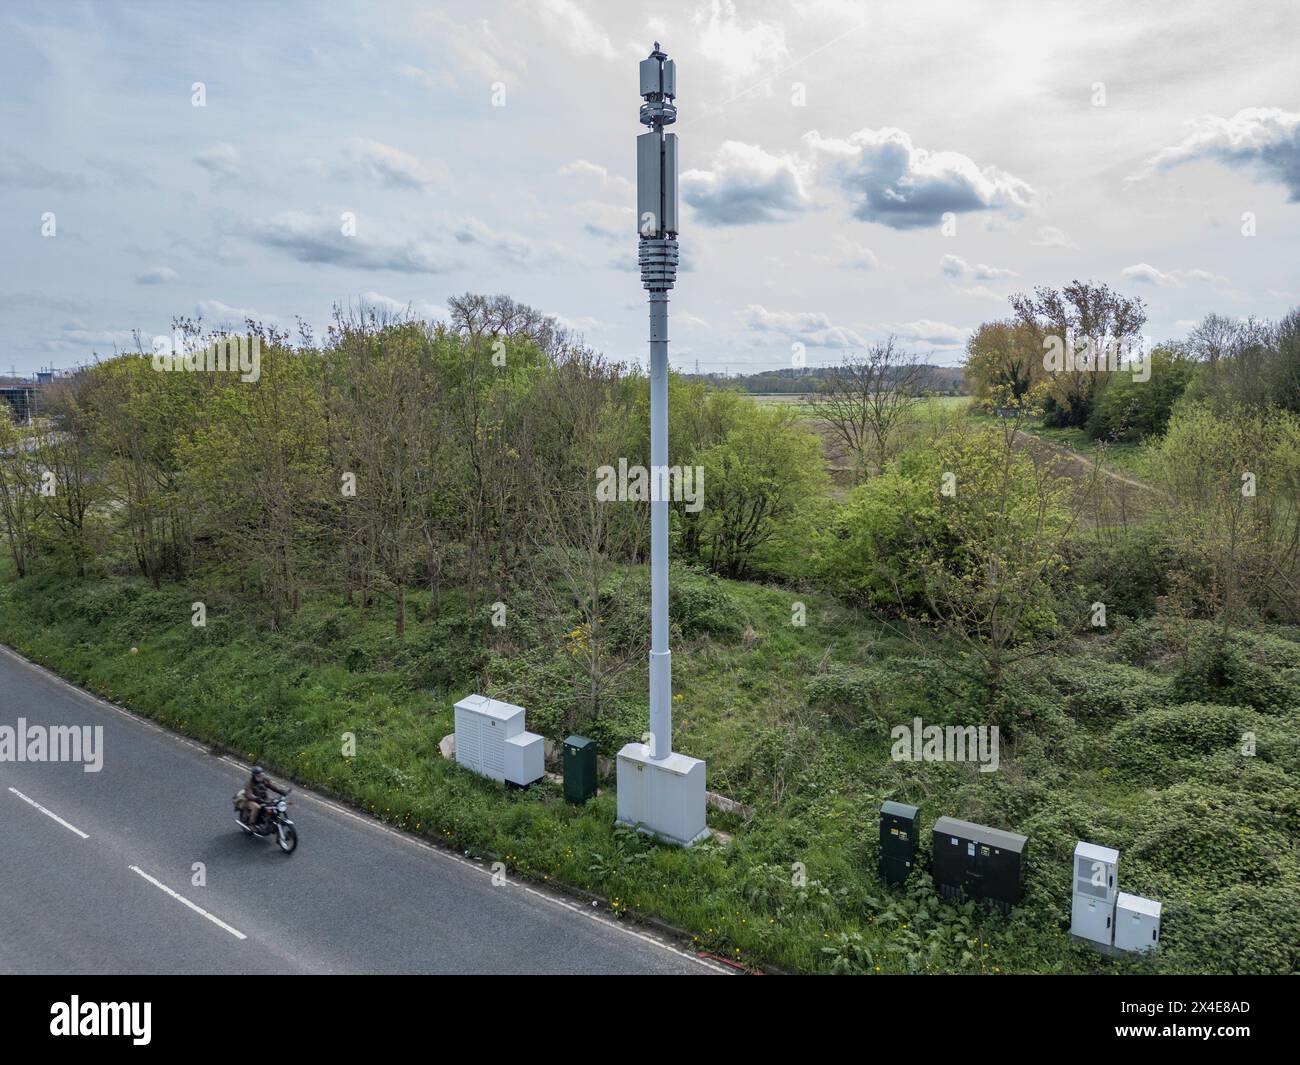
[[97, 874]]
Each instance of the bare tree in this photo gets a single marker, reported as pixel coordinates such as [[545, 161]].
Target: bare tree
[[868, 397], [479, 317]]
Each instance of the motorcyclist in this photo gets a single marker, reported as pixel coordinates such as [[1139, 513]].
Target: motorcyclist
[[257, 793]]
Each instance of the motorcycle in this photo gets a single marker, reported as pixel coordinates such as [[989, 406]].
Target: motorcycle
[[271, 819]]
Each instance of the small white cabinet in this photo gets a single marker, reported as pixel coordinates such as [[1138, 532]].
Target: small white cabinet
[[1137, 923], [491, 741]]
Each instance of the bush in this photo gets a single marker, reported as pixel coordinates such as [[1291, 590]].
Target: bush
[[1217, 670], [1246, 928], [1102, 690], [1127, 410], [698, 603], [1153, 745], [863, 693], [1129, 574], [1198, 836]]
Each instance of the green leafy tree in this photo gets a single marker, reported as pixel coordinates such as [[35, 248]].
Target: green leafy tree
[[760, 475]]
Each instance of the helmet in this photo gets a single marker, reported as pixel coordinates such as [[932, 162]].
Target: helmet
[[257, 771]]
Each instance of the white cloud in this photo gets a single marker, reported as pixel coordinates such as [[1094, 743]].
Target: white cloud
[[216, 313], [890, 181], [391, 166], [518, 250], [1146, 274], [811, 328], [156, 275], [483, 52], [741, 51], [582, 324], [747, 184], [220, 160], [318, 238], [422, 309], [981, 292], [940, 334], [958, 269], [74, 335], [1265, 137], [607, 221], [1052, 237], [582, 172], [855, 256], [577, 29]]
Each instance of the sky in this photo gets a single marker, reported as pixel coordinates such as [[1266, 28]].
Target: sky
[[849, 171]]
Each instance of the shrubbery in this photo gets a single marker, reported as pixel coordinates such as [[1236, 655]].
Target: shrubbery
[[1154, 745]]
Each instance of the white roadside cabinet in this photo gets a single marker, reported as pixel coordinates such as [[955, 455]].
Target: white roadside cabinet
[[662, 797], [1137, 923], [1095, 871], [525, 758], [491, 740], [1093, 920], [1093, 892]]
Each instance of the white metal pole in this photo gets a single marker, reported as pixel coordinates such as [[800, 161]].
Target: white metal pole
[[661, 669]]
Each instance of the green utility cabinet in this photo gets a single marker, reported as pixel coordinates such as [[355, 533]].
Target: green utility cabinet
[[900, 826], [579, 769]]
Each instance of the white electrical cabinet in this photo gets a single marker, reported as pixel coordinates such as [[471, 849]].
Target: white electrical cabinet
[[1095, 870], [491, 741], [525, 758], [1092, 919], [1137, 923], [662, 797], [1093, 892]]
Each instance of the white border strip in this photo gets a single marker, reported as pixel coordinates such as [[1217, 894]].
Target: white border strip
[[181, 898], [49, 814]]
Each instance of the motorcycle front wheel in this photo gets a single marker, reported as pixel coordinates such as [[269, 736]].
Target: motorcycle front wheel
[[286, 836]]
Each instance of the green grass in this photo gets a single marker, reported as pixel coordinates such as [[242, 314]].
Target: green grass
[[793, 721], [804, 409], [1122, 456]]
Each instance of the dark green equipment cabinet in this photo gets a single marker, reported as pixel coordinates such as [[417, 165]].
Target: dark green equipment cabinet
[[900, 825], [579, 769]]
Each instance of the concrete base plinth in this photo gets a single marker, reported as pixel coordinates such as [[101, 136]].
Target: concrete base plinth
[[662, 797]]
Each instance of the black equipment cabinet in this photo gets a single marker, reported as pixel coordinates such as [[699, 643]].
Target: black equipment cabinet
[[977, 862]]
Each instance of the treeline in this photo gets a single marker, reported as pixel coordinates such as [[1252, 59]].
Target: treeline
[[466, 456], [392, 454], [1127, 392], [937, 380]]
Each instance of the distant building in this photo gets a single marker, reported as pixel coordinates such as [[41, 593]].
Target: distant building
[[21, 400]]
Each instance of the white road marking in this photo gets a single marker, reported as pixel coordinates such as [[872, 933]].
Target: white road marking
[[49, 814], [181, 898], [482, 870]]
